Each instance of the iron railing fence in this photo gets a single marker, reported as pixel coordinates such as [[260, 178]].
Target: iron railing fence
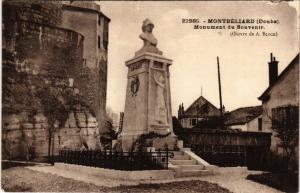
[[129, 161]]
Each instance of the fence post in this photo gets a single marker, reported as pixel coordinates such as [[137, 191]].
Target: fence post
[[121, 159], [78, 155], [71, 156], [130, 159], [245, 156], [167, 160], [110, 158], [66, 156]]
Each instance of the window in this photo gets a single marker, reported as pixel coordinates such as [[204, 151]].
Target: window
[[99, 42], [194, 122], [99, 20], [259, 124], [105, 34], [285, 117]]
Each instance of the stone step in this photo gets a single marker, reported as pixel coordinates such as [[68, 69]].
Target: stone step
[[181, 157], [190, 173], [191, 167], [178, 153], [183, 162]]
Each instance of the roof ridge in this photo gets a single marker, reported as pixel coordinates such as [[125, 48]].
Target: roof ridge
[[199, 99], [247, 107]]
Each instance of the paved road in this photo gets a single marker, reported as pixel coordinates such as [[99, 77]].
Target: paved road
[[234, 179]]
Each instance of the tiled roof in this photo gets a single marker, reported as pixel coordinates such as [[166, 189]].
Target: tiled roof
[[201, 98], [242, 115]]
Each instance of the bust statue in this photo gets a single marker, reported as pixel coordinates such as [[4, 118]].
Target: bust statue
[[147, 36], [150, 42]]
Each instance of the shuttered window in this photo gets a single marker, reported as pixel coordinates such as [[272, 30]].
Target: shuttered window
[[285, 117]]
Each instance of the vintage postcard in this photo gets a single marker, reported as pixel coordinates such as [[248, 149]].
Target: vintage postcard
[[150, 96]]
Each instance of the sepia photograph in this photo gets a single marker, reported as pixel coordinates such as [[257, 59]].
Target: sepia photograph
[[150, 96]]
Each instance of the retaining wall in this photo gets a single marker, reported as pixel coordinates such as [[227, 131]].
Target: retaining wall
[[117, 174]]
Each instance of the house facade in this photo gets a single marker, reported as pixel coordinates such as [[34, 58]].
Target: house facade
[[280, 101], [199, 110], [255, 124]]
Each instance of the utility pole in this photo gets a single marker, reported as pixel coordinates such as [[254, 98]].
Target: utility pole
[[220, 95]]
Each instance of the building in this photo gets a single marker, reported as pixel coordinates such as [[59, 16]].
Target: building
[[198, 111], [280, 101], [87, 19], [53, 90], [255, 124], [245, 119]]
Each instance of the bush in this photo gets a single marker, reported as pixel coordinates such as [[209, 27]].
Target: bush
[[275, 163], [284, 181]]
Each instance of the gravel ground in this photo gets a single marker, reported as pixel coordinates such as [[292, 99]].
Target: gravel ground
[[231, 178], [21, 179], [236, 181]]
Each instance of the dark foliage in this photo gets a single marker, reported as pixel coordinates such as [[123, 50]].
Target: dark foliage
[[107, 133], [284, 181], [177, 128], [53, 108], [145, 141], [285, 123]]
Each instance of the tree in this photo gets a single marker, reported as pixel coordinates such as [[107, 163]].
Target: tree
[[107, 133], [26, 143], [55, 112], [7, 145]]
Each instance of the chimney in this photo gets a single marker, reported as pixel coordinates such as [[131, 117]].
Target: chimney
[[273, 70]]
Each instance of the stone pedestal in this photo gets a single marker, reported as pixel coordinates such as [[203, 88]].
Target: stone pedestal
[[148, 102]]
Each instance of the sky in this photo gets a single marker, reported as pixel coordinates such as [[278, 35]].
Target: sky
[[243, 60]]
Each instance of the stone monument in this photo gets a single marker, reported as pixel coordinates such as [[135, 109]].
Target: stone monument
[[148, 99]]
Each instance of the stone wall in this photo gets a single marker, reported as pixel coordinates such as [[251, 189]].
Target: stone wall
[[20, 135], [37, 11]]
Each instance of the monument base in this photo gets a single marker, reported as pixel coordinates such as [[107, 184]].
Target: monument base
[[150, 49], [169, 142], [127, 141]]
